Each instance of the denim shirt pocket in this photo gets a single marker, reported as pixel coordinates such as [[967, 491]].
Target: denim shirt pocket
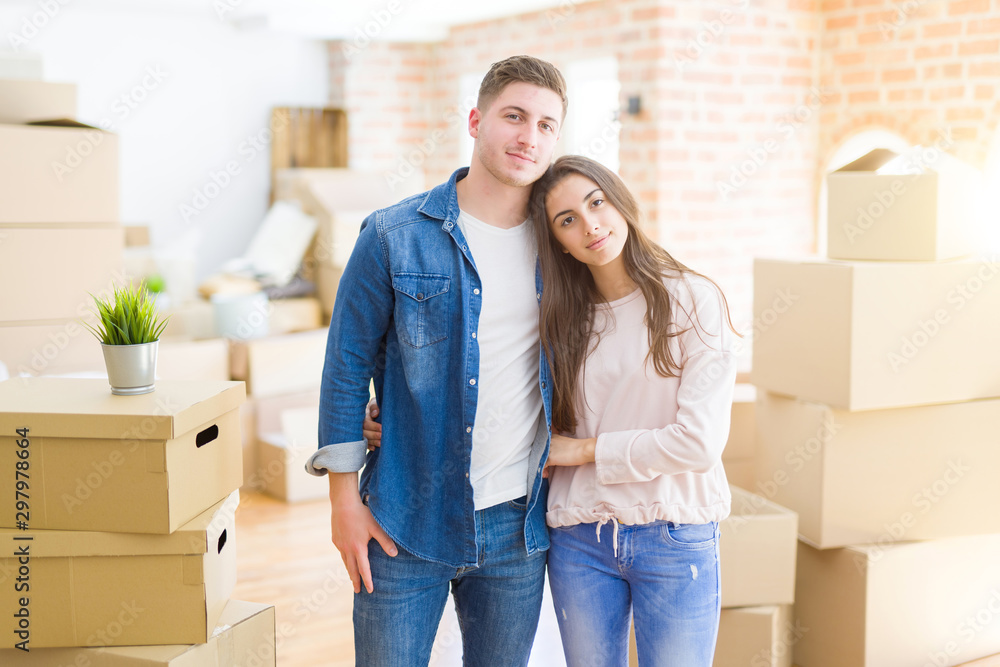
[[421, 313]]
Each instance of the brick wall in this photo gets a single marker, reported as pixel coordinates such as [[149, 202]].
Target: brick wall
[[743, 103]]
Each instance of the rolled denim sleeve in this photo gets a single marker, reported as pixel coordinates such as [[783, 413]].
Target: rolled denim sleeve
[[354, 353]]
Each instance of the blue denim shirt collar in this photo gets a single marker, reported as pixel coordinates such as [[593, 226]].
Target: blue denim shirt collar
[[442, 201]]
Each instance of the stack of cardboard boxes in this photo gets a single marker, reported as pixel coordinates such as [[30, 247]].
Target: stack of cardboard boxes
[[877, 418], [119, 527], [59, 232]]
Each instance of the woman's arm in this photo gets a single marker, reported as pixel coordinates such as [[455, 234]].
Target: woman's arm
[[695, 440]]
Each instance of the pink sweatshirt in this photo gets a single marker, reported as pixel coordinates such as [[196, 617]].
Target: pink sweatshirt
[[659, 440]]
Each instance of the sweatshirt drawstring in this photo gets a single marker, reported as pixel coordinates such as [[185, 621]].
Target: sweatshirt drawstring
[[605, 517]]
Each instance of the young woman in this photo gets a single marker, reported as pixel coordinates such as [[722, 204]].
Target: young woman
[[641, 352]]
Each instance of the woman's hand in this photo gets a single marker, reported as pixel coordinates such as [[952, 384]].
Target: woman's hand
[[565, 451], [371, 429]]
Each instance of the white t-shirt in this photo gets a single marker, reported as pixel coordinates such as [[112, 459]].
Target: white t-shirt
[[510, 402]]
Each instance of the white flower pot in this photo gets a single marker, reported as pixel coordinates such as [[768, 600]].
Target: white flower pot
[[131, 368]]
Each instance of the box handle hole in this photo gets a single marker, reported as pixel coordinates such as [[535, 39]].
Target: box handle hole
[[206, 436], [222, 540]]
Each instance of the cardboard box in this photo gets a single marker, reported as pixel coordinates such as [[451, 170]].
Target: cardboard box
[[991, 661], [51, 347], [327, 281], [137, 464], [868, 335], [899, 605], [284, 364], [918, 473], [345, 189], [194, 319], [757, 552], [136, 236], [292, 315], [919, 206], [56, 269], [756, 637], [742, 429], [58, 174], [282, 456], [244, 636], [740, 472], [24, 100], [193, 359], [121, 589]]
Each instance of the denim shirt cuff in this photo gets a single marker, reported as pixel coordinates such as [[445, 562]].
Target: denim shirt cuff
[[342, 457]]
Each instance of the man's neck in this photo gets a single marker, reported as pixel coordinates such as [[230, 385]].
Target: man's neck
[[485, 198]]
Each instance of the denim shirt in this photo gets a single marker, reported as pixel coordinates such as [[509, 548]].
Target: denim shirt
[[406, 316]]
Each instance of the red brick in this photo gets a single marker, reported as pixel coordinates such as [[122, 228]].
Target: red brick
[[651, 13], [875, 18], [802, 6], [764, 60], [952, 70], [832, 5], [855, 78], [872, 37], [850, 58], [943, 29], [863, 96], [799, 62], [946, 93], [959, 7], [983, 27], [985, 92], [899, 75], [939, 51], [800, 81], [841, 22], [987, 69], [981, 47], [906, 95], [964, 113]]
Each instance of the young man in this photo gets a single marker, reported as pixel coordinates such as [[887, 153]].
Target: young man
[[439, 305]]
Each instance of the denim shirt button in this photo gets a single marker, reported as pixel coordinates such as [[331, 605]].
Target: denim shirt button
[[475, 291], [468, 429], [473, 334], [472, 381], [543, 384], [538, 295]]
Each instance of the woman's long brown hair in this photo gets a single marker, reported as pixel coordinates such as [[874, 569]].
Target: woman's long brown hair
[[567, 311]]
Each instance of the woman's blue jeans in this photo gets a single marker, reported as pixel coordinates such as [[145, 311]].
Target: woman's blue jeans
[[498, 601], [666, 574]]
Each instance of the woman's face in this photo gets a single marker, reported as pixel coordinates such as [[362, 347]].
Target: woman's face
[[586, 225]]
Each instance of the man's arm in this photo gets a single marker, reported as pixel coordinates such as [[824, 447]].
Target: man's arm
[[352, 527], [362, 312]]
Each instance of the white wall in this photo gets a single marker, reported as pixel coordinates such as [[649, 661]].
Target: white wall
[[215, 89]]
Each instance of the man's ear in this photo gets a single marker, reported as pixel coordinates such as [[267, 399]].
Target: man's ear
[[474, 118]]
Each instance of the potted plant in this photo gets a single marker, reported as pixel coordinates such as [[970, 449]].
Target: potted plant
[[128, 328]]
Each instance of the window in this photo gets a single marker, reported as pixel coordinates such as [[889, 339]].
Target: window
[[592, 127]]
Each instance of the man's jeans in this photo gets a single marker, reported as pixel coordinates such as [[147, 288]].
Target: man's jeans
[[498, 601], [669, 575]]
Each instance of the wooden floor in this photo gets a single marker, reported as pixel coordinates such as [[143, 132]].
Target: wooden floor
[[285, 558]]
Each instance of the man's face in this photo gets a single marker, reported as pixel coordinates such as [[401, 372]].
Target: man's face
[[516, 136]]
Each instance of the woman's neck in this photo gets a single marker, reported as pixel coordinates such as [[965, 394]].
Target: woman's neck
[[612, 281]]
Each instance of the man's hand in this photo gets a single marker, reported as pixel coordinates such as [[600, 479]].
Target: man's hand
[[352, 527], [371, 429]]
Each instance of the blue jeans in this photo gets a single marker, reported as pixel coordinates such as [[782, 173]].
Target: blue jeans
[[666, 574], [498, 601]]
